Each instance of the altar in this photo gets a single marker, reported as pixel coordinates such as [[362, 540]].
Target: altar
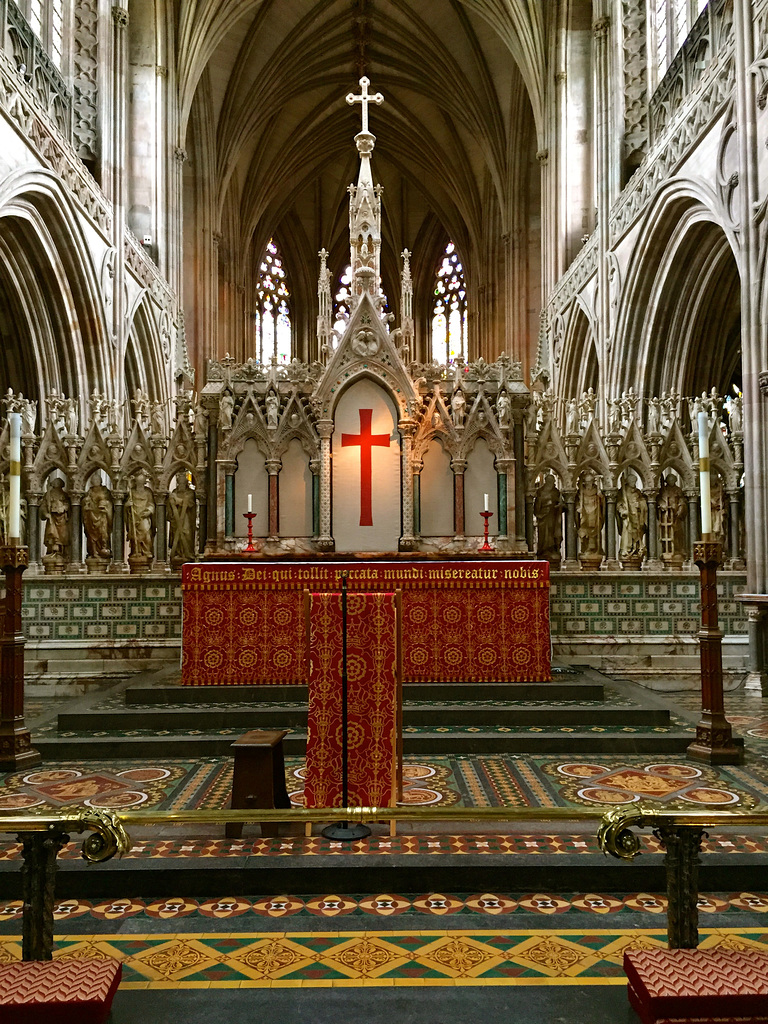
[[471, 620]]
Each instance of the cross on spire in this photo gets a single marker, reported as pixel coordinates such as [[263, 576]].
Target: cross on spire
[[364, 99]]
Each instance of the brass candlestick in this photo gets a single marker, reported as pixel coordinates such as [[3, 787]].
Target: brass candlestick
[[16, 750], [714, 741]]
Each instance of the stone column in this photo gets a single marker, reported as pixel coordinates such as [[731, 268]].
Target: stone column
[[417, 468], [202, 518], [611, 561], [161, 536], [571, 560], [273, 468], [735, 561], [507, 499], [407, 429], [115, 181], [516, 485], [325, 430], [458, 466], [653, 562], [314, 468], [213, 454], [694, 521], [529, 499], [118, 533], [226, 487], [33, 532], [75, 535]]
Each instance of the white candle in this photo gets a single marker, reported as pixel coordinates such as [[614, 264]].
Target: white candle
[[250, 503], [486, 502], [14, 517], [706, 498]]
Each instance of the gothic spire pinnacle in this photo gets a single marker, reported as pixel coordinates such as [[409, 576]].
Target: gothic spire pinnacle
[[365, 206]]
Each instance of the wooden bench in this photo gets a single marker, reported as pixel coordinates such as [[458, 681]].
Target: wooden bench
[[258, 779], [64, 991], [698, 986]]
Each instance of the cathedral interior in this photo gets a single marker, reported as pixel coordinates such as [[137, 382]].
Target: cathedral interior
[[469, 291]]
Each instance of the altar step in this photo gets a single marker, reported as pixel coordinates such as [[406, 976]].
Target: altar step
[[572, 716]]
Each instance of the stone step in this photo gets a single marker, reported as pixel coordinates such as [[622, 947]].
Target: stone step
[[423, 743], [551, 691], [281, 717]]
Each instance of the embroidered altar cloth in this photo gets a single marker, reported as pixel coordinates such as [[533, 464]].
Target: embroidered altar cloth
[[475, 620]]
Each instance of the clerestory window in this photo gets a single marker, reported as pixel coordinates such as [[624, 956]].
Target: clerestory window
[[273, 310], [449, 313]]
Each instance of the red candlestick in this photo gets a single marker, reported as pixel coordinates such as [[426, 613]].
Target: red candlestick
[[250, 516], [485, 546]]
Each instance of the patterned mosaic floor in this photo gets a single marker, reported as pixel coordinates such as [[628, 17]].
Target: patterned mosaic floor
[[389, 905], [375, 958], [469, 781]]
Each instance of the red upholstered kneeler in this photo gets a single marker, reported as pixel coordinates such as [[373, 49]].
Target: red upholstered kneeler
[[58, 991], [698, 985]]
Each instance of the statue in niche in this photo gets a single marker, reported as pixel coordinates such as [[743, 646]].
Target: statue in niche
[[504, 410], [272, 403], [458, 407], [632, 512], [98, 512], [672, 513], [55, 511], [226, 411], [181, 522], [590, 517], [140, 521], [572, 417], [548, 510]]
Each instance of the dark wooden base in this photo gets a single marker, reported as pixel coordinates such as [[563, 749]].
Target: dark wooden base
[[19, 760], [258, 778], [731, 752]]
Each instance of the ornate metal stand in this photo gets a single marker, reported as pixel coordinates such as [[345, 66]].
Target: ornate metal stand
[[16, 751], [714, 741], [681, 861], [38, 876], [485, 546], [250, 516]]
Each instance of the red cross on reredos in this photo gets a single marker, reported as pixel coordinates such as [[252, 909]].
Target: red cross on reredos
[[366, 440]]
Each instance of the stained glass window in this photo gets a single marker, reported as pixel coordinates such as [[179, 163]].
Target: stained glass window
[[672, 21], [273, 310], [449, 314], [343, 301]]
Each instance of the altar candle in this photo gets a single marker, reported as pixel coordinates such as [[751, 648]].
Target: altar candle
[[706, 498], [250, 503], [14, 517], [486, 502]]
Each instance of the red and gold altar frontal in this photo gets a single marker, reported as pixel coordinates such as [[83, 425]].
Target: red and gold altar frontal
[[465, 621]]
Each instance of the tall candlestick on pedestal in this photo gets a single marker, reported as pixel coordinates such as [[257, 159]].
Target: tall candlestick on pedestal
[[14, 478], [485, 546], [704, 478], [250, 516]]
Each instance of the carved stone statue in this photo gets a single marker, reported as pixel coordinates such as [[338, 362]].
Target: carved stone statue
[[719, 508], [55, 510], [141, 408], [226, 409], [272, 403], [734, 413], [654, 416], [458, 407], [632, 512], [201, 421], [158, 420], [672, 512], [98, 510], [28, 416], [504, 410], [70, 416], [590, 516], [140, 523], [181, 523], [572, 418], [614, 416], [548, 510]]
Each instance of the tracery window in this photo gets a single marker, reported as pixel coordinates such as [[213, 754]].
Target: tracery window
[[46, 19], [273, 311], [343, 301], [671, 21], [449, 314]]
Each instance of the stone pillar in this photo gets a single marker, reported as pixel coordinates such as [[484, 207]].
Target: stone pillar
[[118, 533], [516, 486], [161, 535], [653, 562], [571, 560], [202, 518], [314, 468], [611, 561], [417, 468], [75, 534], [213, 454], [325, 430], [115, 181], [735, 561], [694, 521], [458, 466], [529, 499], [507, 499], [407, 429], [226, 483], [273, 468], [33, 532]]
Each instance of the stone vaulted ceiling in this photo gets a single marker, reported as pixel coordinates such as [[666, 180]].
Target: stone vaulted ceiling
[[261, 91]]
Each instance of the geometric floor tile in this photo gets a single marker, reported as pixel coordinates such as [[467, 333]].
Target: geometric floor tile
[[395, 957]]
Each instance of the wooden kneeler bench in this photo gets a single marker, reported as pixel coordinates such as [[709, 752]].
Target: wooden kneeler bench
[[258, 779], [698, 986], [59, 991]]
